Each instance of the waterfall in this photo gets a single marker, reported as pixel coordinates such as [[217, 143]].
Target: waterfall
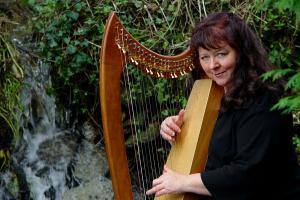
[[54, 157], [44, 151]]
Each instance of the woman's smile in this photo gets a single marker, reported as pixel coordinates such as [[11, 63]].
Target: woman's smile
[[220, 74]]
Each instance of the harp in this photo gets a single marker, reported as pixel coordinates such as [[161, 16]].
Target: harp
[[189, 152]]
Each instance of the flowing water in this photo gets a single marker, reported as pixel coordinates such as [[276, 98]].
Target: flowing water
[[44, 151], [53, 154]]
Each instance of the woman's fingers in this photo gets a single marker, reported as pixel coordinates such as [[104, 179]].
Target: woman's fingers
[[167, 132], [169, 182], [171, 126], [162, 192], [158, 187], [167, 136], [155, 189], [156, 182], [167, 129], [179, 119]]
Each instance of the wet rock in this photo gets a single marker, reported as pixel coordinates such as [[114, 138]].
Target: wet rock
[[90, 162], [58, 150], [89, 132], [99, 188]]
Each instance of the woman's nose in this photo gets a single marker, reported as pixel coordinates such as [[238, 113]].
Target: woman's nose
[[213, 63]]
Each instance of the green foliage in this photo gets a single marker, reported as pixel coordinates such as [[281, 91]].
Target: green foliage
[[291, 5], [280, 35], [69, 33], [283, 17], [5, 159], [276, 74], [10, 84]]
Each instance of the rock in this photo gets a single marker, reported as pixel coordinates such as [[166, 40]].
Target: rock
[[58, 150], [99, 188], [90, 162]]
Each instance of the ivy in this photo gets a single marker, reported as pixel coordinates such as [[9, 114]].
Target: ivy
[[69, 34]]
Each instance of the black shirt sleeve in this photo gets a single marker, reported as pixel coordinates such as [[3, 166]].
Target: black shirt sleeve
[[258, 136]]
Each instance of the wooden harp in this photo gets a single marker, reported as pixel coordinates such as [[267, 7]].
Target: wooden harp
[[189, 152]]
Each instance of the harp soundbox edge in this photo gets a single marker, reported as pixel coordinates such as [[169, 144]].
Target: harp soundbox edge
[[189, 153]]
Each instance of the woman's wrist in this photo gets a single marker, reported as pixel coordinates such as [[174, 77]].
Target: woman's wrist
[[193, 183]]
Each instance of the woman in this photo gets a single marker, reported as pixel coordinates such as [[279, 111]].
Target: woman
[[251, 155]]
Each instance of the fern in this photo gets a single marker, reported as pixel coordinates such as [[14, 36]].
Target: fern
[[294, 82], [288, 104], [276, 74]]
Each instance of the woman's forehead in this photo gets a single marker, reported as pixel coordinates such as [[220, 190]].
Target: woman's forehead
[[215, 48], [214, 45]]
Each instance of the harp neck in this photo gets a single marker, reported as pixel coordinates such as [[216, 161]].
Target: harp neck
[[118, 43]]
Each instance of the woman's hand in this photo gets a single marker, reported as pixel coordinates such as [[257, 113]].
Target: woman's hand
[[171, 126], [169, 182]]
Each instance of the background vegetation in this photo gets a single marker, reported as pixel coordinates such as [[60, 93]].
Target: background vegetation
[[68, 34], [11, 75]]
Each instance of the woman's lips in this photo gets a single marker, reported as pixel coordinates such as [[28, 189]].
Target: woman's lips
[[219, 74]]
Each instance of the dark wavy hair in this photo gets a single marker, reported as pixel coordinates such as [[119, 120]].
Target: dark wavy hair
[[217, 28]]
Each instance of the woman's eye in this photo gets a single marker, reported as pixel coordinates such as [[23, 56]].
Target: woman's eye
[[204, 58], [221, 55]]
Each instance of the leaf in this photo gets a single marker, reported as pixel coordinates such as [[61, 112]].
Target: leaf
[[78, 6], [275, 74], [73, 15], [138, 4], [288, 104], [71, 49], [52, 43], [67, 40], [284, 4], [294, 81], [81, 31], [297, 10]]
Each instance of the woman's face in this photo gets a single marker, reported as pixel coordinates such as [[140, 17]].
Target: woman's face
[[219, 64]]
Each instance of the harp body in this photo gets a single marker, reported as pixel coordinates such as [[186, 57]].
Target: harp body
[[189, 152]]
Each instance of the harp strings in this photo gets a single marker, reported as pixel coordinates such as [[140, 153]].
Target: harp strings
[[146, 108], [132, 115], [137, 109], [153, 129]]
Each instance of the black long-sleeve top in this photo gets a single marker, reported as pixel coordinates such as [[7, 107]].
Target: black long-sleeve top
[[251, 155]]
